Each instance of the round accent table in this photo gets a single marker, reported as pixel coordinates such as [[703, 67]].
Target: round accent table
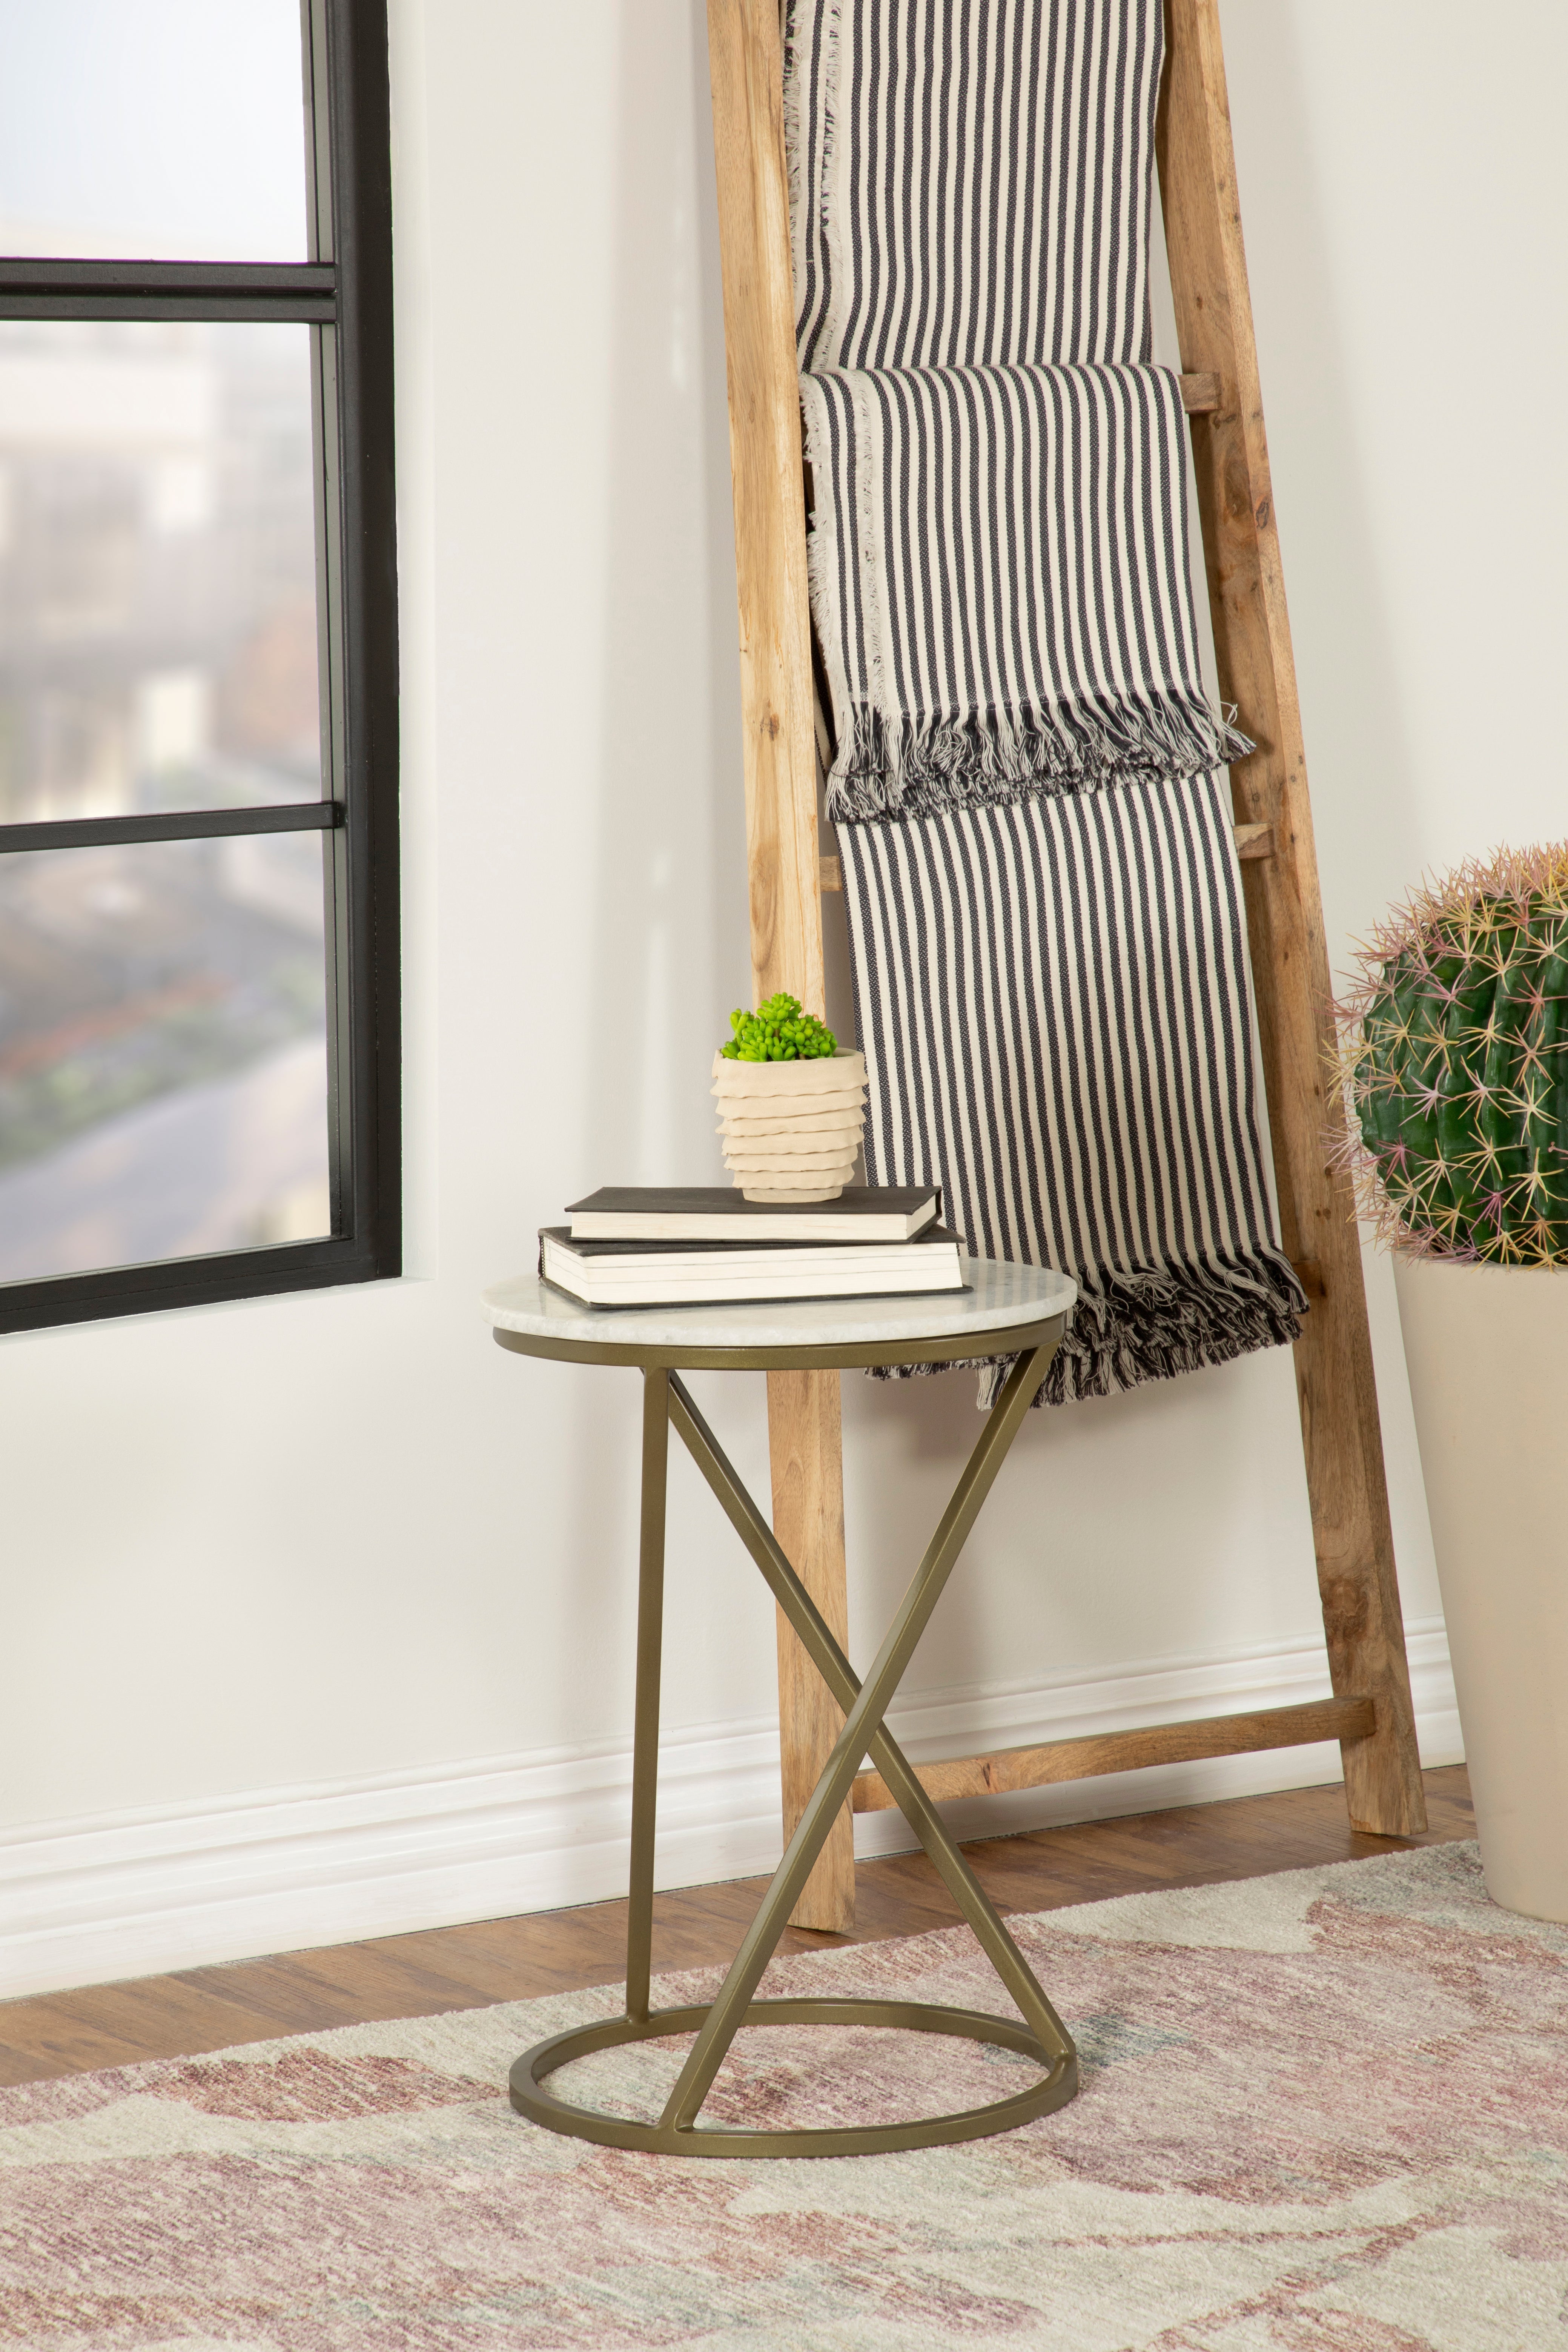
[[1003, 1310]]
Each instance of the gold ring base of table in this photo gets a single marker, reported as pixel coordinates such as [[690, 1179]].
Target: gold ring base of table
[[540, 2105]]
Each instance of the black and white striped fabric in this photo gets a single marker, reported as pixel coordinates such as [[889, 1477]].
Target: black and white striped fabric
[[1050, 975], [973, 179], [1000, 583], [1052, 999]]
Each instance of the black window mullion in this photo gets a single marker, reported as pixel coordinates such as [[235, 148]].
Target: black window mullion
[[305, 309], [349, 1172], [182, 1282], [316, 69], [279, 281], [168, 290], [171, 824], [351, 47]]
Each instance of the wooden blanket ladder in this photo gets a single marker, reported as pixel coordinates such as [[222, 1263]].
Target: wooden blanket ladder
[[1369, 1713]]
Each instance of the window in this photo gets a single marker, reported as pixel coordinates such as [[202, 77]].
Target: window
[[198, 654]]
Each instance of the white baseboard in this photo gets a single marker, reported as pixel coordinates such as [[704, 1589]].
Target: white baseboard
[[136, 1894]]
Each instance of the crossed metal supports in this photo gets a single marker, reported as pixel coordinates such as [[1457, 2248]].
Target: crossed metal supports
[[1041, 2037]]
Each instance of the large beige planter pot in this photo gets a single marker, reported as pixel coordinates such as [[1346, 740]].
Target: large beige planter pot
[[1486, 1348], [791, 1131]]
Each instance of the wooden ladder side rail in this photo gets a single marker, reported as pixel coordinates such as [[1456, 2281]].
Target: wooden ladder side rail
[[782, 867], [1340, 1436]]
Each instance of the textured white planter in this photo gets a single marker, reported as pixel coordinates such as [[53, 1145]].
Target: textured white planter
[[1486, 1348], [791, 1131]]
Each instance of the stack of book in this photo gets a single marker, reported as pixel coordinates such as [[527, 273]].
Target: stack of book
[[651, 1246]]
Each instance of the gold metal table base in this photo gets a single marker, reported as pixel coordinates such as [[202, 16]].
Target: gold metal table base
[[1041, 2036], [531, 2098]]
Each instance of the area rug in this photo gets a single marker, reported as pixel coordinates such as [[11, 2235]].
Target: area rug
[[1323, 2112]]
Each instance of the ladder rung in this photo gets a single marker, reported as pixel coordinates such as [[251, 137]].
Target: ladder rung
[[1251, 841], [1129, 1751], [1200, 393]]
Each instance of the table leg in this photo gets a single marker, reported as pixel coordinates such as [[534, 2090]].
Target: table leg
[[863, 1721], [820, 1645], [645, 1736]]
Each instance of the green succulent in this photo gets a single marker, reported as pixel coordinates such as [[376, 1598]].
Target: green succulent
[[1454, 1054], [778, 1031]]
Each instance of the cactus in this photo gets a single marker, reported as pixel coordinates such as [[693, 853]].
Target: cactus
[[1454, 1057]]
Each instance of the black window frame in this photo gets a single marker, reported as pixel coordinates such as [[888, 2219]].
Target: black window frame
[[344, 293]]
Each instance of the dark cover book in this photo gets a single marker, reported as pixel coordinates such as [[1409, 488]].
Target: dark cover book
[[721, 1212]]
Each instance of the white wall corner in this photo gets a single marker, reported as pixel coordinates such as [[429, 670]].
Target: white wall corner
[[136, 1894]]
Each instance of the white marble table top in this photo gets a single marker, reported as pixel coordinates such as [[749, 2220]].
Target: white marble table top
[[997, 1298]]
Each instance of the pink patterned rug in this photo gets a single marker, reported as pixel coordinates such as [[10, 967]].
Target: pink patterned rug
[[1322, 2112]]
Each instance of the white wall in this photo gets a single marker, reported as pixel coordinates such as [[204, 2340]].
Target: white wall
[[317, 1610]]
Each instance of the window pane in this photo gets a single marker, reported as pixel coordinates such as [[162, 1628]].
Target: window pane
[[157, 568], [162, 1052], [153, 129]]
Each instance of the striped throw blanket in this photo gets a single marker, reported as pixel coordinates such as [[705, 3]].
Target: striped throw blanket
[[1052, 999], [971, 178], [1044, 899], [1000, 583]]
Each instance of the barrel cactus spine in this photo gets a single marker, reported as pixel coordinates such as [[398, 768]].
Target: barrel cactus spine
[[1453, 1054]]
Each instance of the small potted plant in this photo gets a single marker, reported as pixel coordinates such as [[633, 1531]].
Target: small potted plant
[[1454, 1054], [792, 1104]]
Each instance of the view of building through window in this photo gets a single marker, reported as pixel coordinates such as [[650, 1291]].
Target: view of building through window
[[158, 650], [157, 567], [162, 1026], [162, 1057]]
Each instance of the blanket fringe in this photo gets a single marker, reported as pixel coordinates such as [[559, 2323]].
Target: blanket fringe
[[1153, 1324], [797, 43], [918, 767]]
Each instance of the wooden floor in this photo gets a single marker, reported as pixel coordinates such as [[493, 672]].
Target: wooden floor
[[558, 1951]]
